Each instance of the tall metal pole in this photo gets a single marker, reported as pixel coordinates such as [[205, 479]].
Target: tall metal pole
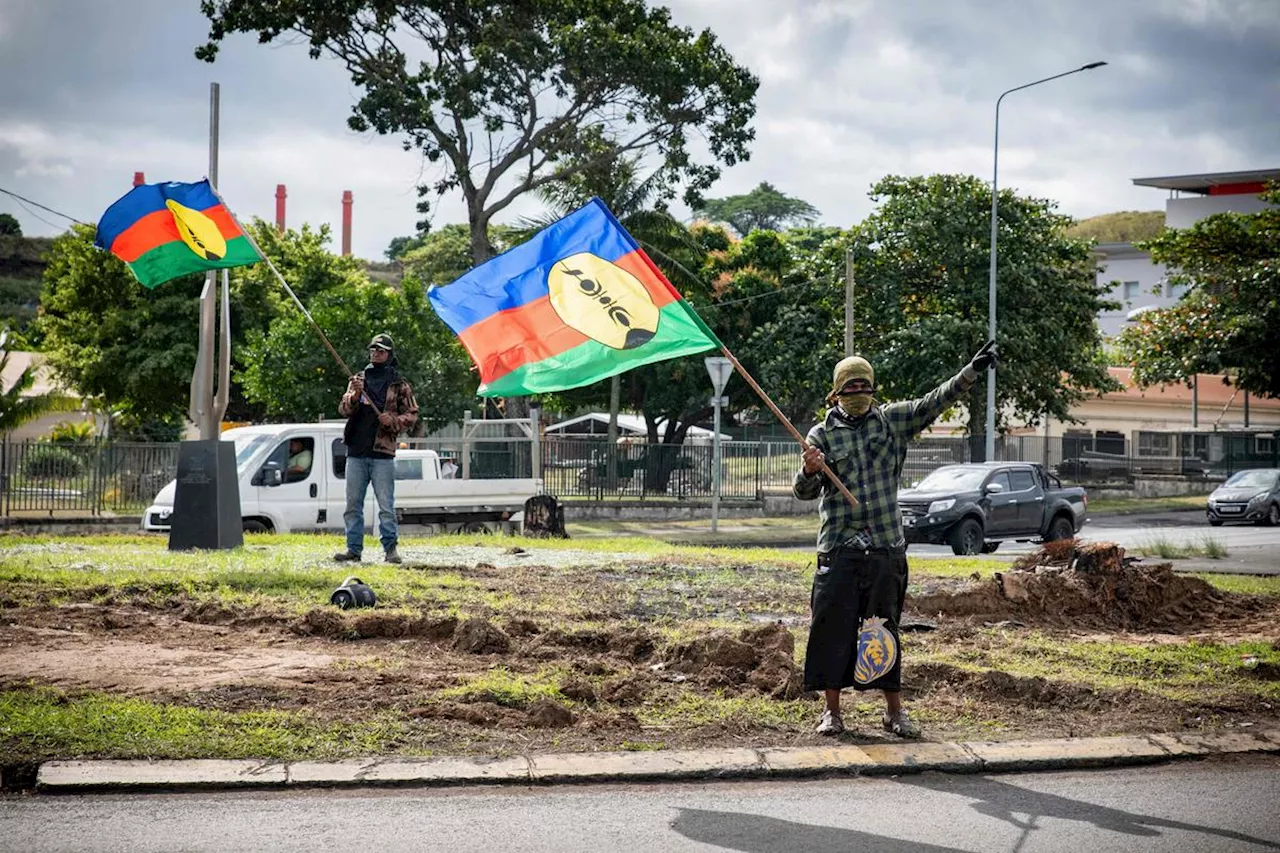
[[848, 303], [611, 434], [206, 502], [991, 275], [715, 468], [202, 402], [1195, 401]]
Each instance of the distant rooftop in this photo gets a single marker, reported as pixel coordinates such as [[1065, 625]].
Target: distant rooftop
[[1205, 183]]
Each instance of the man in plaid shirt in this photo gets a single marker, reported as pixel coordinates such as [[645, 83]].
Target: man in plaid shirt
[[861, 580]]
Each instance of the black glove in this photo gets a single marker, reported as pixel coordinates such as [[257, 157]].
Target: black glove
[[985, 357]]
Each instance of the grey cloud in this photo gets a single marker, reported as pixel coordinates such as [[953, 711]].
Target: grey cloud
[[850, 91]]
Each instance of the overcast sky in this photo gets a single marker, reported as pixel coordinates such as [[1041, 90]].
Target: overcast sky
[[851, 90]]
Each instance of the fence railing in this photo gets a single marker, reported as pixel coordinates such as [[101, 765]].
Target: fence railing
[[102, 478], [51, 478]]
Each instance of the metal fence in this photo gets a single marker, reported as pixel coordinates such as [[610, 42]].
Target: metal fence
[[591, 468], [51, 478], [100, 478]]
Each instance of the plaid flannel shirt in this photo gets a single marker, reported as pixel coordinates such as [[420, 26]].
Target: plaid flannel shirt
[[400, 402], [868, 458]]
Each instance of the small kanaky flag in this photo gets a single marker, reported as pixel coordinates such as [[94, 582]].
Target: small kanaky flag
[[577, 303], [167, 230]]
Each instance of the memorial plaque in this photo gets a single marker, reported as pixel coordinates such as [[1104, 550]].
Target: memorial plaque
[[206, 508]]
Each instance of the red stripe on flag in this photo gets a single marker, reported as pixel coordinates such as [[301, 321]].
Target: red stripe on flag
[[157, 228], [222, 218], [638, 264], [504, 341]]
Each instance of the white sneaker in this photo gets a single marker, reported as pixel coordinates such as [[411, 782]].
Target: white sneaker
[[830, 724], [901, 725]]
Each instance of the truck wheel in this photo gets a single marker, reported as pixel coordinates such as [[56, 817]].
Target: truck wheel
[[966, 538], [252, 525], [1060, 528], [475, 527], [990, 547]]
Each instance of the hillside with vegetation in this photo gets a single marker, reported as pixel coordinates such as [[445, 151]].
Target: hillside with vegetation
[[22, 263], [1126, 226]]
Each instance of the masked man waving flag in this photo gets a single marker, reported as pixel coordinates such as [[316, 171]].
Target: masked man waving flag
[[861, 580]]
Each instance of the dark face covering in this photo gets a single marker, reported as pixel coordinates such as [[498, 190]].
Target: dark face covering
[[376, 379]]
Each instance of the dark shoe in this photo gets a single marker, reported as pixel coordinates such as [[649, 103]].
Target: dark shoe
[[830, 724], [347, 557], [393, 556], [901, 725]]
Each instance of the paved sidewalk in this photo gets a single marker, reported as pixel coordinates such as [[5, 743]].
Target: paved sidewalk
[[599, 767]]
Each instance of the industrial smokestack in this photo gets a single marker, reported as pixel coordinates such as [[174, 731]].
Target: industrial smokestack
[[139, 179], [280, 197], [346, 222]]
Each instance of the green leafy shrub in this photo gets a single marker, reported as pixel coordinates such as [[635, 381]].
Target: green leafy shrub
[[72, 432], [51, 462]]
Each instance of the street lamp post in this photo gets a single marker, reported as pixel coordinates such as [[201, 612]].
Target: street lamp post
[[991, 279]]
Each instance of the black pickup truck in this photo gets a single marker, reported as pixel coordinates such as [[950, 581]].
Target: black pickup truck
[[974, 507]]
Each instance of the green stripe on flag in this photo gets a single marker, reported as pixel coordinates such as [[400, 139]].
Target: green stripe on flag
[[680, 332], [175, 259]]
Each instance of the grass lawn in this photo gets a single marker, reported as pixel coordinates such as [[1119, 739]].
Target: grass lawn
[[596, 626]]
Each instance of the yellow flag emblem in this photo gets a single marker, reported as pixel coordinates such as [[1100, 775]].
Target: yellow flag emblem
[[603, 301], [877, 651], [198, 231]]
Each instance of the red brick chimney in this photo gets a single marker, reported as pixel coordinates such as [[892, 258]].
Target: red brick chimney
[[280, 197], [346, 222], [139, 179]]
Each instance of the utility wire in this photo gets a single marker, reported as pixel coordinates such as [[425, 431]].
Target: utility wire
[[28, 209], [22, 199], [762, 295]]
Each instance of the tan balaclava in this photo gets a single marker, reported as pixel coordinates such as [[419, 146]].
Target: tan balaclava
[[853, 367]]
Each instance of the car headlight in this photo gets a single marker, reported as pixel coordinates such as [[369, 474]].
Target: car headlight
[[1258, 497], [941, 506]]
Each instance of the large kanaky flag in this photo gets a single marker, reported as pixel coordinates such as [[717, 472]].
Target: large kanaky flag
[[162, 231], [577, 303]]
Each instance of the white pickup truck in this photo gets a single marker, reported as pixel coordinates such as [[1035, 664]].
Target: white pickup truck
[[278, 497]]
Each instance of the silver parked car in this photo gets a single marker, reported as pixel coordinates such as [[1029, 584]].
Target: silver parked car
[[1250, 495]]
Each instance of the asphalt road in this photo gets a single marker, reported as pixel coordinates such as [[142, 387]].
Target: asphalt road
[[1250, 549], [1208, 806]]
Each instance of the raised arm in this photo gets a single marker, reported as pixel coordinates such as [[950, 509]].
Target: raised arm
[[909, 418]]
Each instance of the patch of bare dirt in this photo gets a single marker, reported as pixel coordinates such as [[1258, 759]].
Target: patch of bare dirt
[[345, 666]]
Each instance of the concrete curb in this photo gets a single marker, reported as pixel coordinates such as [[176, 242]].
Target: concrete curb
[[664, 765]]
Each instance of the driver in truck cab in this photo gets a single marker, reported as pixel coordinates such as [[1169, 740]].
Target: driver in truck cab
[[861, 579]]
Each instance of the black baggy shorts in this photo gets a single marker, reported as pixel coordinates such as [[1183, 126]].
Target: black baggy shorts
[[851, 585]]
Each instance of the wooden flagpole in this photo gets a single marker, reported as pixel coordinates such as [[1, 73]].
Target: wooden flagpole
[[289, 290], [795, 433]]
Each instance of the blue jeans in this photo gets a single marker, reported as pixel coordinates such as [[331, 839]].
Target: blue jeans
[[361, 471]]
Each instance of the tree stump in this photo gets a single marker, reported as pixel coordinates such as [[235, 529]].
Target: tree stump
[[544, 518]]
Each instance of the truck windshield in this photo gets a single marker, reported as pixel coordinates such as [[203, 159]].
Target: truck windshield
[[955, 479], [247, 447]]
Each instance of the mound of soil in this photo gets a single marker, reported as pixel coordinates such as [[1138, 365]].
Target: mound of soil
[[763, 657], [370, 624], [479, 637], [1070, 583]]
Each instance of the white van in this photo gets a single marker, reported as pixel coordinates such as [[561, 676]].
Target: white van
[[275, 497]]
